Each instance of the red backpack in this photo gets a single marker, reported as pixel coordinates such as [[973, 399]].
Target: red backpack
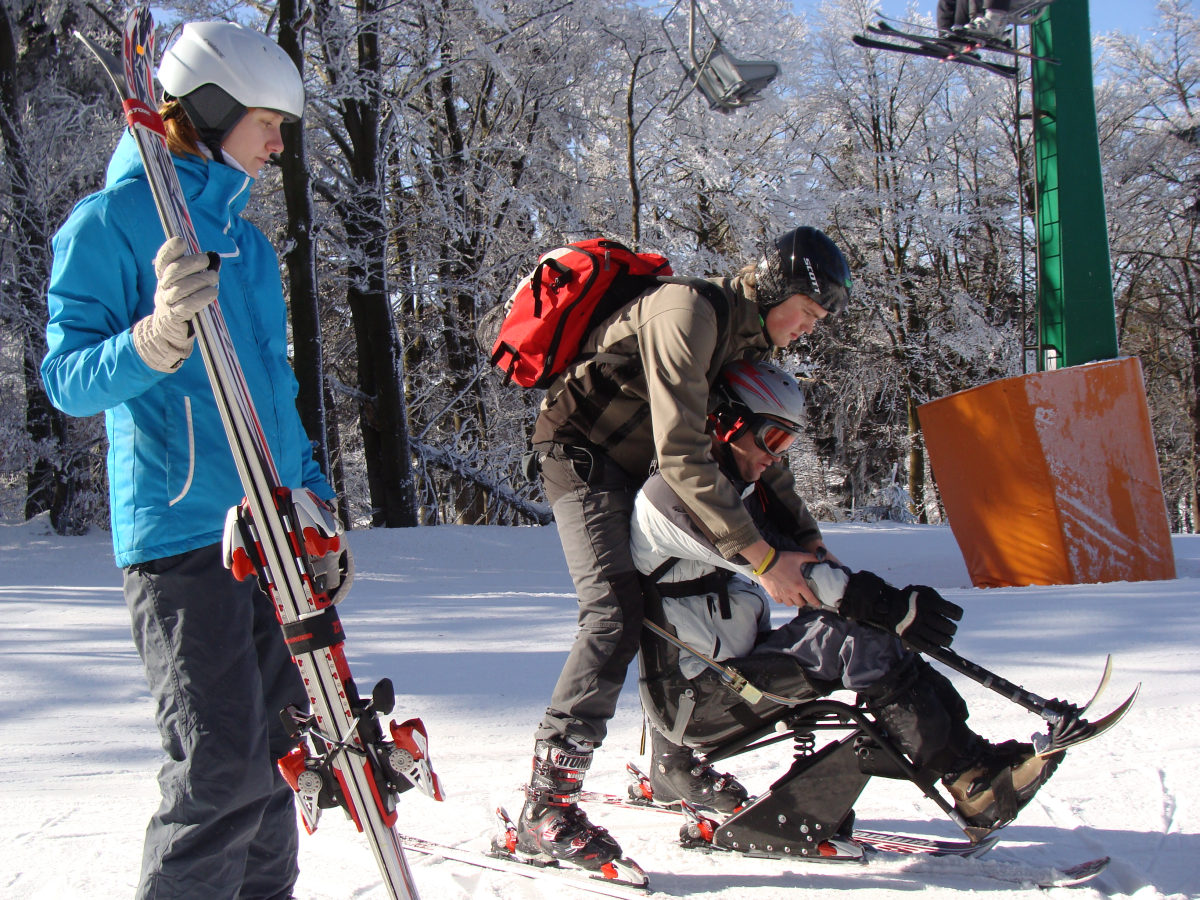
[[571, 291]]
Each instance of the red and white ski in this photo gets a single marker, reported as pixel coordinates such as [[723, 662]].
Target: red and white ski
[[344, 758]]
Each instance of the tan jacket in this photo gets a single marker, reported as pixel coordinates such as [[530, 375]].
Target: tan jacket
[[641, 389]]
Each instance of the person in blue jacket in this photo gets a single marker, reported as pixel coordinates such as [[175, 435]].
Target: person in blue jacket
[[120, 340]]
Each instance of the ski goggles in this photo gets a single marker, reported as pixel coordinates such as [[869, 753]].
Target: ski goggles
[[773, 436]]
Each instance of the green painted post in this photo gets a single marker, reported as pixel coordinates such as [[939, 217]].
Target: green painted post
[[1076, 316]]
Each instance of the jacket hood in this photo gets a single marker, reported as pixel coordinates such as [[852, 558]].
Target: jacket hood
[[197, 176]]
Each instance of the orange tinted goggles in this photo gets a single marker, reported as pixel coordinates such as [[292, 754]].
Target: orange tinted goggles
[[773, 436]]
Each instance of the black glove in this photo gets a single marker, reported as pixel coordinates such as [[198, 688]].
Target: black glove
[[917, 613]]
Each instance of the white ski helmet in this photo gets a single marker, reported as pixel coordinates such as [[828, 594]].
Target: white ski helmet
[[761, 398], [217, 70]]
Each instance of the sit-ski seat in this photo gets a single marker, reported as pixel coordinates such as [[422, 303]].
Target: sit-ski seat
[[704, 713], [813, 800]]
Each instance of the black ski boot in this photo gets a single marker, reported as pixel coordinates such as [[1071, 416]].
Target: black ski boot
[[1003, 778], [676, 774], [551, 825]]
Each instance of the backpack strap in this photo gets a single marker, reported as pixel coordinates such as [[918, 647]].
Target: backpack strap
[[666, 566], [713, 294]]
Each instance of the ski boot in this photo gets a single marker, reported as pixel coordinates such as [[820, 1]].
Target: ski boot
[[990, 25], [676, 775], [999, 783], [551, 826]]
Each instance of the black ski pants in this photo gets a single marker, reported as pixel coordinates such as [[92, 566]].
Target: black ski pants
[[926, 716], [219, 673], [592, 498]]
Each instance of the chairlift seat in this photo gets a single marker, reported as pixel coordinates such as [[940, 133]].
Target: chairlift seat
[[727, 82]]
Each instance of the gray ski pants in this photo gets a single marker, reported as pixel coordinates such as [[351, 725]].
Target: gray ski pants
[[592, 498], [837, 650], [219, 673]]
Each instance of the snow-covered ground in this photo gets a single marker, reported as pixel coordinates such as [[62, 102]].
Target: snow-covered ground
[[472, 625]]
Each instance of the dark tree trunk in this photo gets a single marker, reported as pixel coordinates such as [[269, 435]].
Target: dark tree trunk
[[384, 415], [300, 258]]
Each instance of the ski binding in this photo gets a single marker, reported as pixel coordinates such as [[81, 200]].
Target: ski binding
[[623, 871]]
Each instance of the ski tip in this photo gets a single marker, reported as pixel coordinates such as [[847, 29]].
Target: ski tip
[[108, 60], [1077, 874]]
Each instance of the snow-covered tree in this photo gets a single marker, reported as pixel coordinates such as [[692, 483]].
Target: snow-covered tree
[[51, 134], [1150, 126]]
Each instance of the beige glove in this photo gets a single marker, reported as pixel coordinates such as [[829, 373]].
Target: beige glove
[[187, 282]]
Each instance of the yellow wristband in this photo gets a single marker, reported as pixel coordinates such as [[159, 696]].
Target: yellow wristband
[[767, 562]]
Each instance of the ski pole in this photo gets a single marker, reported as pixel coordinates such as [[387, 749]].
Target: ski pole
[[1053, 711]]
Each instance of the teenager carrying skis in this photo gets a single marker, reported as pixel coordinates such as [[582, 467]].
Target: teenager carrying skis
[[120, 340]]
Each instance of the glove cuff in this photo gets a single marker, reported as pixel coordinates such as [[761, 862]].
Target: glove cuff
[[163, 344], [865, 596]]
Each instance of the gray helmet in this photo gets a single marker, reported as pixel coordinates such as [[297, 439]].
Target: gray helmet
[[803, 261], [761, 398], [218, 70]]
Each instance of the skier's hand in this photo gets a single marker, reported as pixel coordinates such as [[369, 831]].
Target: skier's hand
[[785, 580], [187, 282], [916, 613]]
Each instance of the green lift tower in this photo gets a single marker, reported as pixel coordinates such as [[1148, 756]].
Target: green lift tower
[[1051, 477], [1075, 314]]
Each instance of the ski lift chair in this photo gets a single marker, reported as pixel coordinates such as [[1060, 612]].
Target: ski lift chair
[[814, 799], [726, 82]]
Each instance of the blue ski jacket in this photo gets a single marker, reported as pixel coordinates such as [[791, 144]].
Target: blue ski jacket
[[171, 474]]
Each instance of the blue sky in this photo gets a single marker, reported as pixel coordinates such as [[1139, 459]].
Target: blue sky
[[1130, 16]]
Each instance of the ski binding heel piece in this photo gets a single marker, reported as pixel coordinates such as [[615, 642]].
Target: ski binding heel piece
[[409, 757]]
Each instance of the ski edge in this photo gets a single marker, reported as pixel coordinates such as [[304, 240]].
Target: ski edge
[[578, 879], [878, 841]]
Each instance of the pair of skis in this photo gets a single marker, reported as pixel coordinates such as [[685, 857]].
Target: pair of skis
[[343, 757], [960, 46], [1068, 728], [869, 845], [875, 846]]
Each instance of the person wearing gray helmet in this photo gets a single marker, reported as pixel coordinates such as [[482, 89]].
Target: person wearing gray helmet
[[121, 341], [637, 396], [853, 640]]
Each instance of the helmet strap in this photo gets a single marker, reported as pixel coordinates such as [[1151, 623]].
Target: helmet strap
[[727, 432], [213, 143]]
